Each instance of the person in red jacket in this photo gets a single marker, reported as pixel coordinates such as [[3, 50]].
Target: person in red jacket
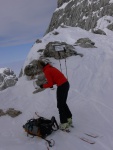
[[55, 77]]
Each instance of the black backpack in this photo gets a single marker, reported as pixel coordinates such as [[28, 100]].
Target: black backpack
[[41, 127]]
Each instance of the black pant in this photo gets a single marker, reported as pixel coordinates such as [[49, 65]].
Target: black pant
[[62, 93]]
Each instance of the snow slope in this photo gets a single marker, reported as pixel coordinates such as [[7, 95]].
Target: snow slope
[[90, 97]]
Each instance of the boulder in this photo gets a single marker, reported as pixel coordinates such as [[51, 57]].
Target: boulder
[[98, 31], [59, 50], [2, 113], [110, 27], [38, 41], [85, 43], [13, 113]]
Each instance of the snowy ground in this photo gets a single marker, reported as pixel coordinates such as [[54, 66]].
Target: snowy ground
[[90, 98]]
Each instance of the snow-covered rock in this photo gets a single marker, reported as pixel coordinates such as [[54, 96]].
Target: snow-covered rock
[[7, 78]]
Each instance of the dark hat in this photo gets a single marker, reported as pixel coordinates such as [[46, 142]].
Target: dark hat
[[41, 64]]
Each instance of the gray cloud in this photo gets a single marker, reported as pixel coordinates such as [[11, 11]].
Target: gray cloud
[[22, 21]]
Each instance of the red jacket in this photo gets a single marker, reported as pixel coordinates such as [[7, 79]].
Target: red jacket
[[53, 76]]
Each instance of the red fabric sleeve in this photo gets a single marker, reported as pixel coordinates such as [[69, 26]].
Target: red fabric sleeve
[[49, 80]]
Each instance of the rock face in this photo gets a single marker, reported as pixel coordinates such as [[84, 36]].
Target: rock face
[[80, 13], [7, 78], [60, 2]]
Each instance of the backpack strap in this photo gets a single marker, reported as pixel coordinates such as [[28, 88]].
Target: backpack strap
[[54, 124], [50, 143]]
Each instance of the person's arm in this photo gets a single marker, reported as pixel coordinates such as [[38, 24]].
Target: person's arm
[[49, 83]]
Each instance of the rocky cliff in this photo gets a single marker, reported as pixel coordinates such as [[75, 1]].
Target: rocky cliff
[[81, 13], [7, 78]]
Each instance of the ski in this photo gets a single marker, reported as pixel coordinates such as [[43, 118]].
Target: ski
[[87, 140], [88, 134], [91, 135]]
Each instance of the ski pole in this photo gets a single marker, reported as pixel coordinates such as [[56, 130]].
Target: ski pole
[[65, 62], [59, 61]]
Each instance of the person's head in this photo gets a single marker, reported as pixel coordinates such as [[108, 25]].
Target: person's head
[[41, 64], [30, 70]]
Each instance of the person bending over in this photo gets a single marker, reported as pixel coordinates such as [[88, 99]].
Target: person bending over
[[55, 77]]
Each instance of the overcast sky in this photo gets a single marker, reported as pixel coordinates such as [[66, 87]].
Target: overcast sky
[[21, 23]]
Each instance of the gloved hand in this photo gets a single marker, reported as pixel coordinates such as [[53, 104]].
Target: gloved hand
[[41, 86]]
